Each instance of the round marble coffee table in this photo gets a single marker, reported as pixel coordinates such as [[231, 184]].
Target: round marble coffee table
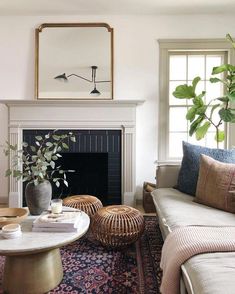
[[33, 262]]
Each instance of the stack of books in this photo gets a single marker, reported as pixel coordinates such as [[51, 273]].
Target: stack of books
[[66, 221]]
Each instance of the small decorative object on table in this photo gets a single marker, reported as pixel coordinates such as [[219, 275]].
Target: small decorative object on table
[[117, 225], [89, 204], [56, 205], [12, 215]]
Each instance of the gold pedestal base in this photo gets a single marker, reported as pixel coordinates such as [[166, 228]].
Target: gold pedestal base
[[33, 273]]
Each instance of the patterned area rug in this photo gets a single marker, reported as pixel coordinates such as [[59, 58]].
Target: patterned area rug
[[90, 268]]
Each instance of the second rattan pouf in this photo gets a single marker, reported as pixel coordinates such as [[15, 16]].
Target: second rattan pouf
[[88, 204], [117, 225]]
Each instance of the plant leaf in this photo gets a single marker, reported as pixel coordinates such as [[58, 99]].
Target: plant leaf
[[201, 131], [215, 80], [184, 91], [8, 172], [195, 125], [66, 183], [220, 137], [195, 82], [191, 113], [52, 164], [49, 144], [65, 146], [231, 96], [213, 109], [39, 138], [226, 115]]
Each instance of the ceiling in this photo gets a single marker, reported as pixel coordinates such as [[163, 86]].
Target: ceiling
[[115, 7]]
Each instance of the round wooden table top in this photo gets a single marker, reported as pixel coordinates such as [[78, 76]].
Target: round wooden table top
[[34, 242]]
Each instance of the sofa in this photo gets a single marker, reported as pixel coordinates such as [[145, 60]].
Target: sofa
[[209, 273]]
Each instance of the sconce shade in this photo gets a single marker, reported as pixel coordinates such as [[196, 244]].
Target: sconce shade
[[61, 78], [95, 92]]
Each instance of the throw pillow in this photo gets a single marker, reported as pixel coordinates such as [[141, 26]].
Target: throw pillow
[[188, 174], [216, 184]]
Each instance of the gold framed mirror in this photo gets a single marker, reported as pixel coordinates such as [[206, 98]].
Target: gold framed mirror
[[74, 61]]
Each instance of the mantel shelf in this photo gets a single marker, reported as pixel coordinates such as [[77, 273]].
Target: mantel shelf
[[76, 103]]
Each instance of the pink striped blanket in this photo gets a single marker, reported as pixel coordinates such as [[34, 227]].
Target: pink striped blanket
[[185, 242]]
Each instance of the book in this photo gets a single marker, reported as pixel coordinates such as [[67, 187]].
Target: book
[[64, 222], [54, 229]]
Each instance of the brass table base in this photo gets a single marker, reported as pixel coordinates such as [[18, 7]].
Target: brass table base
[[32, 273]]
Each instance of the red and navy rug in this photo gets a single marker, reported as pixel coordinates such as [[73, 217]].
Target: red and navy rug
[[90, 268]]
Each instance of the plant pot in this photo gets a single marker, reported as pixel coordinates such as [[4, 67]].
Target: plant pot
[[38, 197]]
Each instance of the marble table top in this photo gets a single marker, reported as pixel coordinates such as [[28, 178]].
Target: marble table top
[[34, 242]]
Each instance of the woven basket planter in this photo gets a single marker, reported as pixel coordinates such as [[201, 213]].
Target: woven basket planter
[[117, 225], [89, 204]]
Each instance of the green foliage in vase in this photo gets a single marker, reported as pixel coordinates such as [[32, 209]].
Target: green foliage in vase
[[200, 114], [38, 161]]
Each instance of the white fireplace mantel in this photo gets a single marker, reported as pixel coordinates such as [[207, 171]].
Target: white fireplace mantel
[[76, 114]]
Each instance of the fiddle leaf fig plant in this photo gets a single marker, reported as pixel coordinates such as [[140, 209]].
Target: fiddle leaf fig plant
[[200, 114], [38, 161]]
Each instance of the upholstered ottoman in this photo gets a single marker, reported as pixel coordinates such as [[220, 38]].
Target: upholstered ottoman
[[117, 225], [87, 203]]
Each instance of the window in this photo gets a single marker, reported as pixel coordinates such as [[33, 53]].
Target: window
[[180, 63]]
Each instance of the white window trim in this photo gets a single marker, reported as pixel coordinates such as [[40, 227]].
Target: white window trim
[[166, 45]]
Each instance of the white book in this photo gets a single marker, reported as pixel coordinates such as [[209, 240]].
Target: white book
[[67, 219], [55, 229]]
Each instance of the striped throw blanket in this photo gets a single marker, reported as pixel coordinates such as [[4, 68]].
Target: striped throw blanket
[[185, 242]]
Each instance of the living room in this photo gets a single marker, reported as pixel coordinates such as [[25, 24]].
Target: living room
[[141, 30]]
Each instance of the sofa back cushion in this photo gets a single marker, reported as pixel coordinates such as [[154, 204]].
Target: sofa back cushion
[[216, 184], [188, 174]]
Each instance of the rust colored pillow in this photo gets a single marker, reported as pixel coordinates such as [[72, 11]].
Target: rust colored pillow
[[216, 184]]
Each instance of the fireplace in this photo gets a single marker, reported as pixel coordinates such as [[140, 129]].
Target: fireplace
[[95, 158], [113, 115]]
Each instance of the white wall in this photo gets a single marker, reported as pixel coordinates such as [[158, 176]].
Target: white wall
[[135, 65]]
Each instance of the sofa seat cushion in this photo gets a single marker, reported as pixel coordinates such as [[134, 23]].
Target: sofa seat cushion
[[178, 209], [199, 273]]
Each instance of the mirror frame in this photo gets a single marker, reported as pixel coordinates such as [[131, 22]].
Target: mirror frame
[[69, 25]]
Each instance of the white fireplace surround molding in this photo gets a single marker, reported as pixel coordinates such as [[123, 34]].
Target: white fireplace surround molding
[[108, 115]]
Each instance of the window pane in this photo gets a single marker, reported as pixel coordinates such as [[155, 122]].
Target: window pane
[[213, 91], [212, 61], [177, 67], [211, 142], [196, 66], [172, 99], [194, 141], [178, 121], [175, 144]]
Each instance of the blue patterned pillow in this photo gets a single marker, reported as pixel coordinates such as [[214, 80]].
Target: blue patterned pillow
[[188, 174]]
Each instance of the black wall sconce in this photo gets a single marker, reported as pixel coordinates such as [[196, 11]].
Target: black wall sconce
[[63, 77]]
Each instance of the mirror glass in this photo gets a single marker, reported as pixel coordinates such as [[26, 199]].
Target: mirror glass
[[74, 61]]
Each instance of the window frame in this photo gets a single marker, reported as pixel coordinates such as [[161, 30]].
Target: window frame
[[166, 46]]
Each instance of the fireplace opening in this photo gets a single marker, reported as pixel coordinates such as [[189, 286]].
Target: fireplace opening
[[90, 175], [96, 159]]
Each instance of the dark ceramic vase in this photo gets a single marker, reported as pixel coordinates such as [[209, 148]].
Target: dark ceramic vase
[[38, 197]]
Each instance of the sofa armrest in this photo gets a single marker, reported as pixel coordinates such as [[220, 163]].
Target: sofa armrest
[[167, 175]]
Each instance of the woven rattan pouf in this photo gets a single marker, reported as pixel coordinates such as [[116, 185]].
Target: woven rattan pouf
[[117, 225], [88, 204]]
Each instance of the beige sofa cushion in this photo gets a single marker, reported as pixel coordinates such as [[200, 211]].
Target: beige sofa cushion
[[210, 273], [178, 209], [216, 184]]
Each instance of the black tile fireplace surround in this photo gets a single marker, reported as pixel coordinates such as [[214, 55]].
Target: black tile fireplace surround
[[96, 159]]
